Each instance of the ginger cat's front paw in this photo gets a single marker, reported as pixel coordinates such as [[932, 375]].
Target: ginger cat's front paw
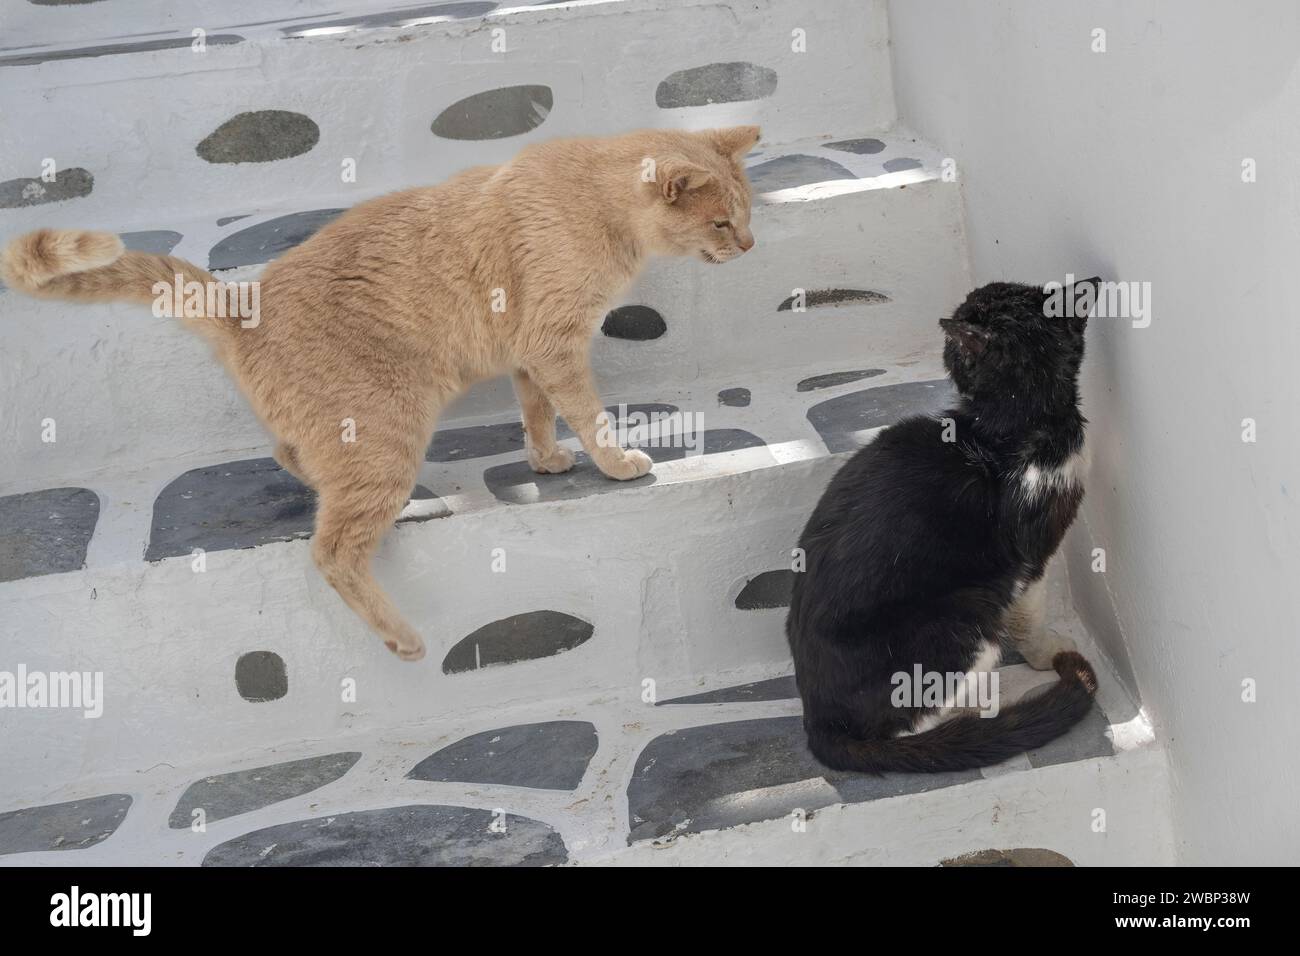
[[559, 460], [635, 463]]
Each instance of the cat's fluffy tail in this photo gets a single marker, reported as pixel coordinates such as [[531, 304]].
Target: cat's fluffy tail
[[86, 266], [969, 741]]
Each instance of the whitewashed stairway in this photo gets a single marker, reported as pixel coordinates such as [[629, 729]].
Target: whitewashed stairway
[[607, 678]]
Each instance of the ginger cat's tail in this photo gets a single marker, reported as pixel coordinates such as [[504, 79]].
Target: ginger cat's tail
[[84, 266]]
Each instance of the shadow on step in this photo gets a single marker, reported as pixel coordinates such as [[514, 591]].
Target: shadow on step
[[727, 774]]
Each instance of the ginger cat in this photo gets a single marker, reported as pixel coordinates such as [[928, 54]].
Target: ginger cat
[[387, 313]]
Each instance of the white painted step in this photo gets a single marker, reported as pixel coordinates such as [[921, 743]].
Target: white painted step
[[605, 778], [668, 587], [133, 121], [655, 567], [866, 214]]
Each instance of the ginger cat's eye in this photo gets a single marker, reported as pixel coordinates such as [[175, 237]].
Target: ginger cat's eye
[[720, 224]]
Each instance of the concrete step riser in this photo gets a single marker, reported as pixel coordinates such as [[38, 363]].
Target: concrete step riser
[[372, 96], [611, 782]]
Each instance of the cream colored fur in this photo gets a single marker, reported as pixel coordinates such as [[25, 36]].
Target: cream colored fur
[[387, 313], [1026, 622]]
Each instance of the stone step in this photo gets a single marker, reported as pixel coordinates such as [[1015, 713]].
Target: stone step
[[879, 294], [198, 598], [284, 94], [611, 777]]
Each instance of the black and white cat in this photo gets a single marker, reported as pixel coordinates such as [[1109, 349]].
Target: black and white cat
[[927, 552]]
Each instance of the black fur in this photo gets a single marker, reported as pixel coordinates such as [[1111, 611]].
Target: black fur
[[915, 550]]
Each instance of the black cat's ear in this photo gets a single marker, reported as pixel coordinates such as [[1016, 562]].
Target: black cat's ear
[[1084, 295], [971, 338]]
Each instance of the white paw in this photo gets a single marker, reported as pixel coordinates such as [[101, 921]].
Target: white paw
[[561, 459], [635, 463]]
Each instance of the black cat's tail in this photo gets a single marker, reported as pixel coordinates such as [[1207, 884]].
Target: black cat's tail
[[969, 741]]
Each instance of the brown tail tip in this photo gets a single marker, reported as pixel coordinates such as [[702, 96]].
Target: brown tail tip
[[1072, 666]]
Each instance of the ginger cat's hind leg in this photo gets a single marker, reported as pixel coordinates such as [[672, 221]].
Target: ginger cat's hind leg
[[352, 515]]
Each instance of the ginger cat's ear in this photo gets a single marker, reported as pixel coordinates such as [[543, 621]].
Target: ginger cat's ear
[[676, 176], [734, 141]]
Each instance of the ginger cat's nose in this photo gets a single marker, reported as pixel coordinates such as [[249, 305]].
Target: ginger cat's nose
[[746, 242]]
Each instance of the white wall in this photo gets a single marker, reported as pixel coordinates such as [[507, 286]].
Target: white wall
[[1128, 163]]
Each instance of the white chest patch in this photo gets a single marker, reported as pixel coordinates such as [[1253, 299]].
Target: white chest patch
[[1035, 481]]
